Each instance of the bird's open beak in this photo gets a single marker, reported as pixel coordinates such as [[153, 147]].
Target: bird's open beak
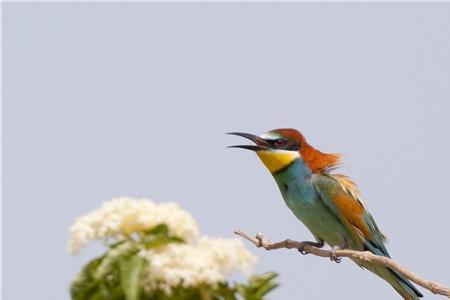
[[260, 143]]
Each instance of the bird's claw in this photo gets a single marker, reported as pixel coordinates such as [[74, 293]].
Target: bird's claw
[[333, 256], [302, 251], [302, 246]]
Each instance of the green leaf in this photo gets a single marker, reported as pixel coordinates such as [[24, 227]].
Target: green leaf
[[131, 272], [161, 229], [258, 286], [159, 236], [84, 286], [159, 241], [112, 257], [225, 292], [265, 289], [100, 278], [266, 276]]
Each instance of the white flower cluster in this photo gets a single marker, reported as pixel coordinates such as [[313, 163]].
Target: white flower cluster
[[208, 261], [124, 216], [201, 260]]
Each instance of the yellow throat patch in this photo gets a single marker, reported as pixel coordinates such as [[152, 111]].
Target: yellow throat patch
[[275, 160]]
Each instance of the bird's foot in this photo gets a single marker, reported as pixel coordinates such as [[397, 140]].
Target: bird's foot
[[333, 256], [303, 244]]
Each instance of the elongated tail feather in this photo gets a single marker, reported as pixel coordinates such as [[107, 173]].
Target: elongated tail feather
[[402, 285], [408, 289]]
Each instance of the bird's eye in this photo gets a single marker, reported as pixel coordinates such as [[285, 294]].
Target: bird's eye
[[280, 143]]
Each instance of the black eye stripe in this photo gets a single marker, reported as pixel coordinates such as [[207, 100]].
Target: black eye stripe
[[285, 145]]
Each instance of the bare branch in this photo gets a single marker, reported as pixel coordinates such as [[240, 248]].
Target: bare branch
[[261, 241]]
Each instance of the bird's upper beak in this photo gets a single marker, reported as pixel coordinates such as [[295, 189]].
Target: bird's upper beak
[[261, 144]]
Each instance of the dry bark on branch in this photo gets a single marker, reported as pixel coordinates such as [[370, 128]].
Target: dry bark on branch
[[261, 241]]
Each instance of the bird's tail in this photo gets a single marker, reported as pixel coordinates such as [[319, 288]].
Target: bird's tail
[[402, 285]]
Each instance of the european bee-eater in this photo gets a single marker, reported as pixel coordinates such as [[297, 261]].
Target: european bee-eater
[[328, 204]]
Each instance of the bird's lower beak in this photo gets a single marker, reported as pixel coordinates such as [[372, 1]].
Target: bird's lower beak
[[260, 143]]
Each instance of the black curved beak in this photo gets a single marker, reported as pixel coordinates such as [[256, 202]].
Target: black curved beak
[[260, 143]]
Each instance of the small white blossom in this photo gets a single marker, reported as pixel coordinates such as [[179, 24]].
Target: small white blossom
[[125, 216], [208, 261]]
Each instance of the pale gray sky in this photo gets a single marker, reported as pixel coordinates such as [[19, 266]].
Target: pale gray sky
[[102, 100]]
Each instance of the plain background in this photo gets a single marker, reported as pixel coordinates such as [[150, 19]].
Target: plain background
[[102, 100]]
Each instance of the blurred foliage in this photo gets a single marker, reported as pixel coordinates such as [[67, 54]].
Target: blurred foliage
[[118, 275]]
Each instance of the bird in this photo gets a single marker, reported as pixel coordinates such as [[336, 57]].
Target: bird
[[328, 204]]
